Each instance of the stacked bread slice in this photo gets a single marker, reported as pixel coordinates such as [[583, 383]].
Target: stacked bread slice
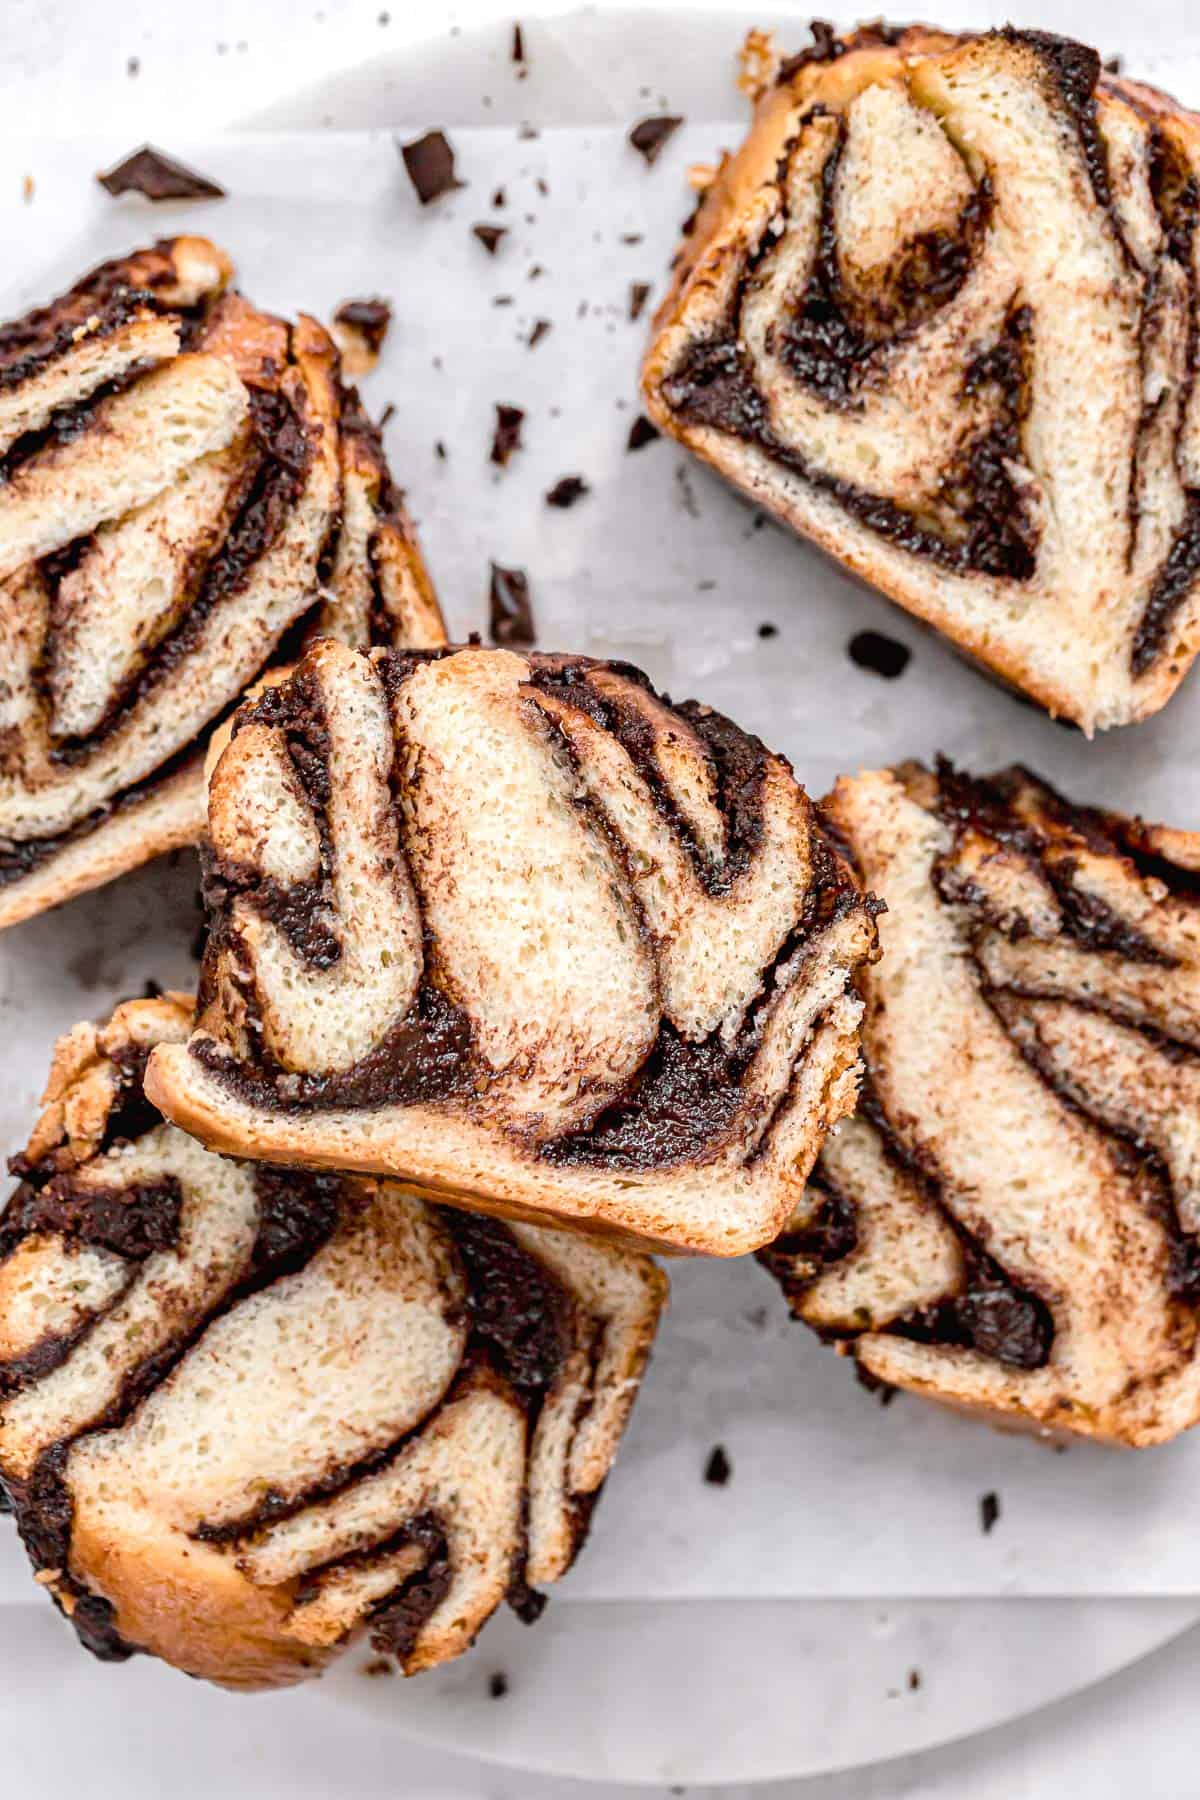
[[186, 488], [517, 929], [1011, 1225], [249, 1413], [938, 313]]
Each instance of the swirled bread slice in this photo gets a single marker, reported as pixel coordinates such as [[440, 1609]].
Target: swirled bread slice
[[185, 482], [247, 1414], [1010, 1224], [937, 314], [516, 929]]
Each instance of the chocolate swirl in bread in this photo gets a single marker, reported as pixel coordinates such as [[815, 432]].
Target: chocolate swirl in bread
[[183, 481], [517, 929], [1010, 1223], [939, 314], [248, 1413]]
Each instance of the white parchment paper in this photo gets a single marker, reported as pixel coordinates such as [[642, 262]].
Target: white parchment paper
[[830, 1494]]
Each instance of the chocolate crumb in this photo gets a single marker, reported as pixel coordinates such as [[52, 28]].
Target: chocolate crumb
[[534, 270], [542, 186], [379, 1665], [439, 450], [498, 198], [430, 164], [518, 44], [498, 1683], [148, 172], [767, 630], [387, 415], [540, 328], [490, 236], [631, 237], [881, 654], [914, 1680], [989, 1511], [502, 299], [648, 136], [507, 436], [526, 132], [510, 606], [567, 491], [718, 1468], [639, 293], [641, 432]]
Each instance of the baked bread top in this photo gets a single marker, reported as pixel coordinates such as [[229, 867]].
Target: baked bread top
[[936, 313], [1010, 1224], [185, 480], [247, 1414], [517, 929]]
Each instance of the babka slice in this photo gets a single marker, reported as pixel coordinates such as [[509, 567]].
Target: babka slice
[[248, 1414], [938, 314], [185, 483], [517, 930], [1010, 1223]]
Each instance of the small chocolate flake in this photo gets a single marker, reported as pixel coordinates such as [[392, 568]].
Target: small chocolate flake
[[914, 1680], [631, 237], [387, 415], [881, 654], [430, 164], [639, 293], [718, 1468], [490, 236], [371, 317], [510, 606], [518, 44], [989, 1511], [540, 328], [502, 299], [507, 436], [379, 1665], [567, 491], [498, 198], [542, 186], [641, 432], [648, 136], [535, 269], [767, 630], [133, 66], [147, 171], [526, 132], [439, 450], [498, 1683]]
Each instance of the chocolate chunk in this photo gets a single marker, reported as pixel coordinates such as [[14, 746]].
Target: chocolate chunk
[[507, 436], [641, 432], [881, 654], [540, 328], [368, 319], [567, 490], [511, 607], [148, 172], [718, 1468], [767, 630], [989, 1511], [430, 164], [490, 236], [518, 44], [498, 1683], [639, 293], [649, 135]]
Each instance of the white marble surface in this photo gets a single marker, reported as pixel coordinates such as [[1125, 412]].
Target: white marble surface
[[65, 66]]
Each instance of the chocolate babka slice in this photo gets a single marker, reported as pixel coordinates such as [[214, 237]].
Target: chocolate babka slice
[[185, 487], [938, 314], [1010, 1223], [516, 929], [249, 1414]]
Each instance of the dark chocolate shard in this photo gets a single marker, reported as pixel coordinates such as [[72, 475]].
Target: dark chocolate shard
[[540, 328], [498, 1683], [639, 293], [430, 164], [649, 136], [369, 317], [507, 436], [518, 44], [881, 654], [718, 1468], [567, 490], [511, 609], [989, 1511], [490, 236], [157, 177], [767, 630], [641, 432]]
